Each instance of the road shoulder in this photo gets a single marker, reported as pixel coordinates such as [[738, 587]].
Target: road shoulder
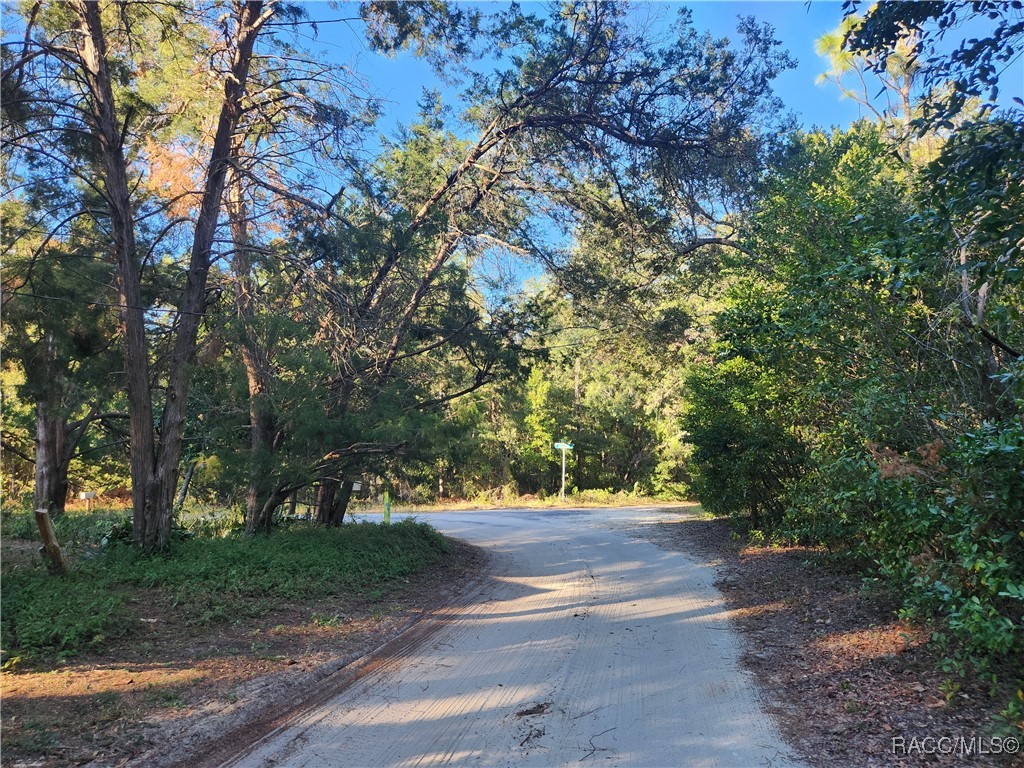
[[848, 683], [167, 703]]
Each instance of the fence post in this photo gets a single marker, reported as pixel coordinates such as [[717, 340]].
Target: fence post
[[50, 545]]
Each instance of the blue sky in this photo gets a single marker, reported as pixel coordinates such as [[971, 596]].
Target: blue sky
[[400, 81], [797, 25]]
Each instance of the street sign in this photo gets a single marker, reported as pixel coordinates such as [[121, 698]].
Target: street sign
[[563, 447]]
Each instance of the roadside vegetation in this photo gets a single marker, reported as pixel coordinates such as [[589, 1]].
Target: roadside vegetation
[[208, 577], [228, 296]]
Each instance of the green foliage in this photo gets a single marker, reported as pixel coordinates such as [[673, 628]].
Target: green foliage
[[207, 580], [950, 533], [75, 529], [875, 319], [744, 456], [828, 506], [44, 614]]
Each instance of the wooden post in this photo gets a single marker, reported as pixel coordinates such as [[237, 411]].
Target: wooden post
[[89, 496], [50, 545]]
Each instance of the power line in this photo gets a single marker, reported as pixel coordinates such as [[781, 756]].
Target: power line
[[67, 300]]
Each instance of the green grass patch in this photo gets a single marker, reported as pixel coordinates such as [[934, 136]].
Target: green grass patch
[[209, 579], [75, 529]]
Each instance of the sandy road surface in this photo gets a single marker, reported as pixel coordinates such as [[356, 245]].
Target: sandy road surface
[[588, 646]]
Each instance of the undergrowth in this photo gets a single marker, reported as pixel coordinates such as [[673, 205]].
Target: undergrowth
[[207, 578]]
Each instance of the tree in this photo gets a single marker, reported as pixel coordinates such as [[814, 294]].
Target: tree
[[896, 75], [436, 202], [81, 51], [58, 331], [592, 119], [973, 68]]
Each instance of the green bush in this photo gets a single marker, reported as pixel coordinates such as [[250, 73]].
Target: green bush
[[945, 525], [743, 458], [831, 505], [950, 531]]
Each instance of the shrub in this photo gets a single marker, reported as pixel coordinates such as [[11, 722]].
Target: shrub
[[744, 457], [831, 505], [949, 532]]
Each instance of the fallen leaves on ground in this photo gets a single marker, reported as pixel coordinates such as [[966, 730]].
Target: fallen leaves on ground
[[848, 682]]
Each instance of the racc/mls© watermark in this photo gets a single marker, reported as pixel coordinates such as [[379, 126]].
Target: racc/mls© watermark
[[961, 746]]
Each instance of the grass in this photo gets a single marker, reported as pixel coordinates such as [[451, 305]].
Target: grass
[[208, 579], [75, 529]]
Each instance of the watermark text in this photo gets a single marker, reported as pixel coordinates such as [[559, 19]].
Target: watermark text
[[961, 746]]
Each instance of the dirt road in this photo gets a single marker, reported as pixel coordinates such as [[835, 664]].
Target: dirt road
[[588, 645]]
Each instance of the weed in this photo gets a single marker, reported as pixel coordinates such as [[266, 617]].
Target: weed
[[169, 698], [208, 579], [35, 737], [1010, 721], [106, 698], [950, 688]]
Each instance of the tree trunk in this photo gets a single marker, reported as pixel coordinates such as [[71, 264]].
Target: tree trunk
[[183, 493], [172, 420], [51, 468], [56, 438], [325, 494], [341, 500], [154, 466], [333, 497], [256, 359], [107, 130], [262, 517]]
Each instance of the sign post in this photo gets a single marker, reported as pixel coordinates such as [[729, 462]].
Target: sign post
[[563, 447]]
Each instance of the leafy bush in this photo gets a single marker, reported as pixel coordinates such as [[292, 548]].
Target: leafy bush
[[743, 456], [949, 531], [831, 505], [942, 524]]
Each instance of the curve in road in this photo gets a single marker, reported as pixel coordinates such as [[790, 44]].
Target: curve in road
[[589, 645]]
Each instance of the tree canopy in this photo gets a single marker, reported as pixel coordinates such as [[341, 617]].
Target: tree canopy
[[226, 283]]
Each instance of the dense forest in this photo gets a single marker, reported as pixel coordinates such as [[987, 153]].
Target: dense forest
[[225, 288]]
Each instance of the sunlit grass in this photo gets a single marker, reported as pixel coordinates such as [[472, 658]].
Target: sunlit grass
[[206, 579]]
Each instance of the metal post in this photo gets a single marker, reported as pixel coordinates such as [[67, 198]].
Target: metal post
[[562, 494], [563, 447]]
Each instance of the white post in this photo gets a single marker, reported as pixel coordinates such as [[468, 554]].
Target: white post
[[562, 494], [563, 447]]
